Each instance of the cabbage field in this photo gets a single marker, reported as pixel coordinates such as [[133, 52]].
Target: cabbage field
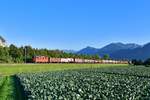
[[110, 83], [74, 82]]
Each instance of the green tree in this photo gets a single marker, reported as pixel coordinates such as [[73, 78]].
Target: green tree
[[147, 62], [106, 57], [96, 56], [15, 53], [137, 62], [4, 55]]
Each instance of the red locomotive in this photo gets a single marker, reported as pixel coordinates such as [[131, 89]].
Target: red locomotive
[[40, 59]]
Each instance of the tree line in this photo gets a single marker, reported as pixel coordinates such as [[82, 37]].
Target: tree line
[[14, 54], [140, 62]]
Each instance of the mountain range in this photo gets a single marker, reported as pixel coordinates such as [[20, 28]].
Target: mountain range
[[120, 51]]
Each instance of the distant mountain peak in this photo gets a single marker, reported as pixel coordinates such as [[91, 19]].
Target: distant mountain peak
[[89, 47], [147, 44], [116, 43], [119, 46], [69, 51], [2, 41], [88, 50]]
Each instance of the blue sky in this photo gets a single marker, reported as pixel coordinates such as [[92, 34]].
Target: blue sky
[[74, 24]]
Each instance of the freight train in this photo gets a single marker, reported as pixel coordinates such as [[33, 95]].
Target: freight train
[[45, 59]]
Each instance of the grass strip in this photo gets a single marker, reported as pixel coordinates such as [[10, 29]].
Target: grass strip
[[12, 69], [7, 89], [11, 89]]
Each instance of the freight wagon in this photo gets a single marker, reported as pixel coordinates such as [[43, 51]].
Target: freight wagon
[[55, 60], [67, 60], [78, 60], [89, 61]]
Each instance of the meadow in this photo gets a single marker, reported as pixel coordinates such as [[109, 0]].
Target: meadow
[[74, 81], [11, 69]]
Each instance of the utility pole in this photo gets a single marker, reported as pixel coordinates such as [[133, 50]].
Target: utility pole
[[25, 52]]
